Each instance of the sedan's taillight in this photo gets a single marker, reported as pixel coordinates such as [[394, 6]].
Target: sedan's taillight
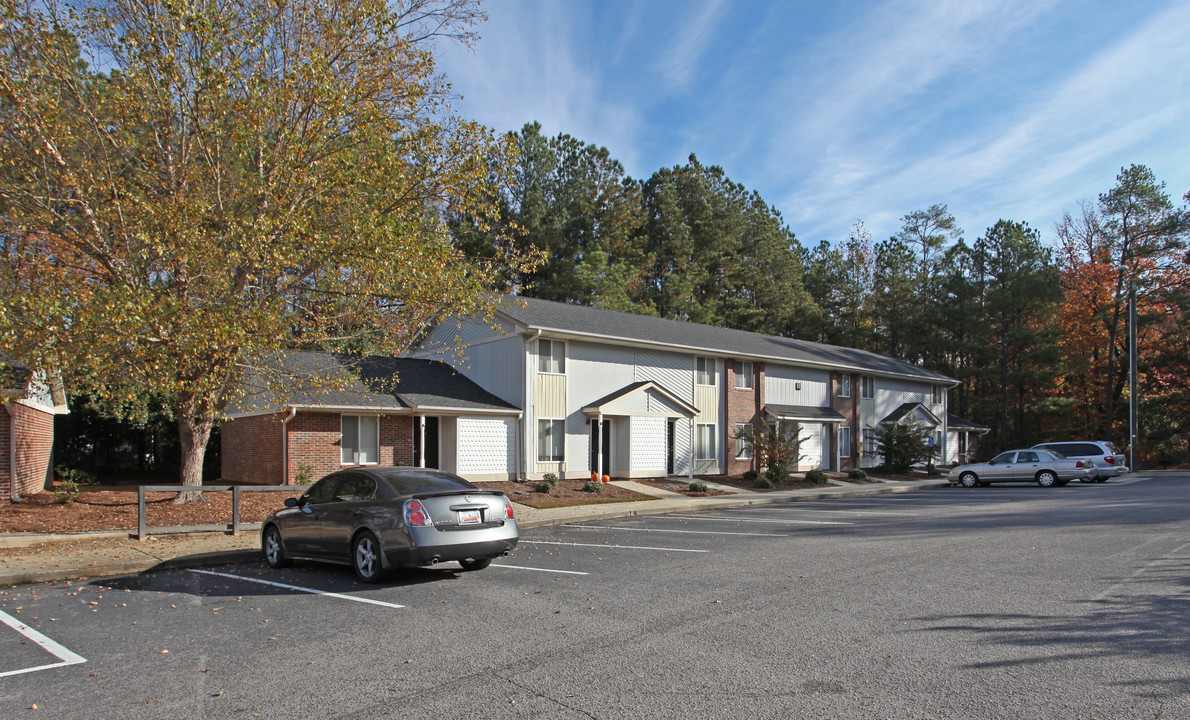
[[507, 507], [1110, 459], [1079, 464], [416, 514]]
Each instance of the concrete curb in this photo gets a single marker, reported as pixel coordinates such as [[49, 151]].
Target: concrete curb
[[533, 519]]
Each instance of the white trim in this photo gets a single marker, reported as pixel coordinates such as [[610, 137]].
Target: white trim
[[628, 342], [375, 410]]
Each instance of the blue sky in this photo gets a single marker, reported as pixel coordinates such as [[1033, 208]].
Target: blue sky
[[853, 110]]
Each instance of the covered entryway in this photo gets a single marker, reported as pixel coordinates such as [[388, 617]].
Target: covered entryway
[[816, 426], [637, 432]]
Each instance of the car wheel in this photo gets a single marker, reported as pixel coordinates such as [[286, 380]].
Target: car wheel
[[1100, 479], [365, 557], [477, 564], [1061, 483], [968, 480], [1047, 478], [274, 551]]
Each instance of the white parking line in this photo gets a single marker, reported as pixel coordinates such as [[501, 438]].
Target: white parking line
[[780, 521], [852, 512], [615, 547], [521, 567], [658, 530], [53, 648], [300, 588]]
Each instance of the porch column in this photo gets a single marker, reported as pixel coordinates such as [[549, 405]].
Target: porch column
[[421, 441], [599, 445]]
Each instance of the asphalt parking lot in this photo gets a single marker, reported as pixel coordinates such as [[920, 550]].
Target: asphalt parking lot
[[1006, 601]]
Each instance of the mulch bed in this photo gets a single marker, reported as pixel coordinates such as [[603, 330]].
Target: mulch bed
[[566, 494], [678, 486], [115, 509]]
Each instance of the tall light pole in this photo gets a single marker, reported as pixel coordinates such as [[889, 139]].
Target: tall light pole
[[1132, 373]]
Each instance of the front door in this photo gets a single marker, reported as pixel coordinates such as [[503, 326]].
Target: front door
[[601, 439], [670, 435]]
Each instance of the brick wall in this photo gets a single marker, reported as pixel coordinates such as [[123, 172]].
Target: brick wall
[[33, 430], [848, 407], [252, 447], [743, 406]]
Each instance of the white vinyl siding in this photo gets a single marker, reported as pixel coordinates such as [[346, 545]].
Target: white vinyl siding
[[743, 375], [706, 442], [551, 357], [785, 385], [647, 451], [360, 443]]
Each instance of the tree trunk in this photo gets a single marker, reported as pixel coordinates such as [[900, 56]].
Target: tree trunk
[[194, 430]]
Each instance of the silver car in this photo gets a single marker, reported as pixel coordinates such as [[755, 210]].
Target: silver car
[[1106, 458], [1045, 468], [379, 518]]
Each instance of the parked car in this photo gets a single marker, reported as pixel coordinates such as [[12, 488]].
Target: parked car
[[1109, 462], [376, 519], [1045, 468]]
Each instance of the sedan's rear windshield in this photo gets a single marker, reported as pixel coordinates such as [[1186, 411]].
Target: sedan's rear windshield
[[407, 482]]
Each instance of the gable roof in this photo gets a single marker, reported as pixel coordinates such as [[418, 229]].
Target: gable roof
[[611, 325], [383, 383], [644, 386], [906, 408], [954, 422]]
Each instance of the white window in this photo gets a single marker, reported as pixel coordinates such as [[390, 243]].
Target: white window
[[869, 437], [844, 384], [705, 447], [845, 442], [867, 388], [551, 357], [938, 443], [360, 444], [743, 375], [939, 394], [743, 441], [551, 440], [704, 371]]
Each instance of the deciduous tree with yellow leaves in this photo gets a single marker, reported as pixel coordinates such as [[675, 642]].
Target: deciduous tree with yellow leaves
[[188, 187]]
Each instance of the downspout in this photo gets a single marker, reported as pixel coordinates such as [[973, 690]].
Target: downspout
[[13, 494], [285, 446]]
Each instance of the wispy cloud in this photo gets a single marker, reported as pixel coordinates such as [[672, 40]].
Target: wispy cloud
[[691, 40]]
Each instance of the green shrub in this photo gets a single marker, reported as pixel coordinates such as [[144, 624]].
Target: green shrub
[[816, 476], [776, 472], [304, 474], [699, 486], [543, 486], [550, 478], [857, 474], [762, 481], [751, 475], [66, 492], [78, 477], [592, 486]]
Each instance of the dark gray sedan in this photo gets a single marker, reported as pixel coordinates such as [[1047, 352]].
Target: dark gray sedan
[[379, 518], [1045, 468]]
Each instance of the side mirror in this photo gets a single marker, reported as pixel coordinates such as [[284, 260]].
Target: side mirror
[[291, 502]]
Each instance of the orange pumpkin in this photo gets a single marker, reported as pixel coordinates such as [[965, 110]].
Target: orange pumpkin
[[607, 478]]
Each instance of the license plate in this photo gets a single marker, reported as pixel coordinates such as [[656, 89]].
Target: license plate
[[470, 517]]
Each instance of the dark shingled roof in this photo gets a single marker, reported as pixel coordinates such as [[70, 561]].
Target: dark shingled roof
[[580, 319], [954, 422], [418, 384], [808, 413]]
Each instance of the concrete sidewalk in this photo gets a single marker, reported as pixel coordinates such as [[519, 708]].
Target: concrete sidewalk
[[35, 557]]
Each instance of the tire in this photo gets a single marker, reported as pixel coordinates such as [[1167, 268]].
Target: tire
[[274, 549], [365, 558], [1047, 478], [1100, 478], [1062, 483], [969, 480], [477, 564]]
